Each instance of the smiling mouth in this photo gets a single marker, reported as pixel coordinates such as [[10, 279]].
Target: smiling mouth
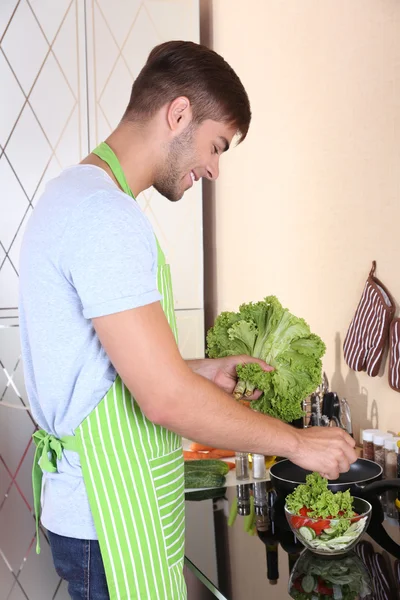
[[193, 178]]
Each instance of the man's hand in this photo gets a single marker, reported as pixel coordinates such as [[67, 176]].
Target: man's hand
[[222, 371], [328, 450]]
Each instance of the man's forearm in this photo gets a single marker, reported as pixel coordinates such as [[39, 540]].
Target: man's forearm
[[202, 366], [201, 411]]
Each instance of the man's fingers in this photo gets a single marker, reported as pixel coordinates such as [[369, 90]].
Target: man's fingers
[[350, 441], [347, 449], [332, 475], [350, 454], [251, 359], [344, 465]]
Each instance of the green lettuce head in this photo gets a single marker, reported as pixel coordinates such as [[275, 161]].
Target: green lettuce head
[[270, 332]]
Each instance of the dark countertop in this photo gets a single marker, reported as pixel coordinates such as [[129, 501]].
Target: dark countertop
[[260, 566]]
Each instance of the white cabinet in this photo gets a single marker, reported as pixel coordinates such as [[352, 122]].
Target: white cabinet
[[120, 38], [66, 69]]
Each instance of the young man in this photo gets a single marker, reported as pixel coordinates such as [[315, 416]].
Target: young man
[[104, 375]]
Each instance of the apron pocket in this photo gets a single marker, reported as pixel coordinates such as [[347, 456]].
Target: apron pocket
[[169, 484]]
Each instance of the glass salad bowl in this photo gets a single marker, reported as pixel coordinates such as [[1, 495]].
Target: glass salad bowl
[[316, 578], [331, 536]]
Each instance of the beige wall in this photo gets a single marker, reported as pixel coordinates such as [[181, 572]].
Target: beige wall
[[313, 195]]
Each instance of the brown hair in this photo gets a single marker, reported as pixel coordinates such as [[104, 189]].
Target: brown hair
[[180, 68]]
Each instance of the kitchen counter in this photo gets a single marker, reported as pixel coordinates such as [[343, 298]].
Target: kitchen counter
[[266, 564]]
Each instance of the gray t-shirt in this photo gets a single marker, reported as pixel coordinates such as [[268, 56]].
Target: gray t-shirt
[[88, 251]]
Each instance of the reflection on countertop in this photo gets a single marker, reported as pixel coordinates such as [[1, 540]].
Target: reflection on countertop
[[266, 561]]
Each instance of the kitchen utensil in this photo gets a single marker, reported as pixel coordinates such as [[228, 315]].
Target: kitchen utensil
[[362, 479], [325, 383], [317, 400], [336, 406], [347, 416], [311, 532], [330, 410], [327, 404], [316, 408]]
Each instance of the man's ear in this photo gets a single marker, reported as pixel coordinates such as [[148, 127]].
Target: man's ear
[[179, 114]]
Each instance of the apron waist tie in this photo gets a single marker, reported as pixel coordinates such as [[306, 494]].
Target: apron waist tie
[[49, 449]]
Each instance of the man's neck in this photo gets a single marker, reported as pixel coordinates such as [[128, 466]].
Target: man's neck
[[136, 153]]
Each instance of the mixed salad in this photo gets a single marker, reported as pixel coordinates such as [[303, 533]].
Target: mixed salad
[[324, 520], [316, 578]]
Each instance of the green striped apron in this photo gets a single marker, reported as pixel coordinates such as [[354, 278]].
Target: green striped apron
[[134, 476]]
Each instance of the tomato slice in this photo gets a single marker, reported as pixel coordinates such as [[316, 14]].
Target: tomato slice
[[298, 522], [356, 518], [297, 584], [301, 520], [322, 588], [319, 526]]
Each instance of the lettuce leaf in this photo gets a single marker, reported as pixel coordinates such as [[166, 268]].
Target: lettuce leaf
[[321, 501]]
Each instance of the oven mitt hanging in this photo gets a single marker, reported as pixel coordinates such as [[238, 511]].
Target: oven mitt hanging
[[394, 355], [367, 336]]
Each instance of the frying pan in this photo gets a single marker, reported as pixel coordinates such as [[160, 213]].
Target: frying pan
[[364, 479]]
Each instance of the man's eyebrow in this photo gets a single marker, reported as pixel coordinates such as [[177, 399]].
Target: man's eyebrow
[[225, 142]]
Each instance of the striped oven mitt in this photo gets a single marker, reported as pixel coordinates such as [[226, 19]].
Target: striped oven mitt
[[394, 359], [367, 336]]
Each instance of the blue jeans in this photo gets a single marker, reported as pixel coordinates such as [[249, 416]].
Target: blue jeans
[[79, 562]]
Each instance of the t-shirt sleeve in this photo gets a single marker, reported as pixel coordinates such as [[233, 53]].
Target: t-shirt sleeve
[[109, 256]]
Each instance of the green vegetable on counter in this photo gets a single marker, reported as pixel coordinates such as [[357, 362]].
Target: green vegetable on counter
[[203, 479], [219, 467], [205, 474], [270, 332]]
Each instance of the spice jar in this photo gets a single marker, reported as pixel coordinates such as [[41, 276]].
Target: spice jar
[[368, 444], [259, 470], [391, 450], [242, 465], [379, 447]]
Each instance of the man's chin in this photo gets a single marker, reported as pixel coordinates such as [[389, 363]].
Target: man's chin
[[171, 195]]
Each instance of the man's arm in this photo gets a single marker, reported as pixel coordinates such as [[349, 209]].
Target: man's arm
[[142, 349]]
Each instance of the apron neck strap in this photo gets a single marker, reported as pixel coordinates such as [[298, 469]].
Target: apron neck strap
[[108, 155]]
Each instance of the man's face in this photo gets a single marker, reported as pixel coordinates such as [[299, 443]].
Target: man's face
[[195, 153]]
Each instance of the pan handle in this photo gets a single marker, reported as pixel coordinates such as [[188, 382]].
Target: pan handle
[[381, 486]]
